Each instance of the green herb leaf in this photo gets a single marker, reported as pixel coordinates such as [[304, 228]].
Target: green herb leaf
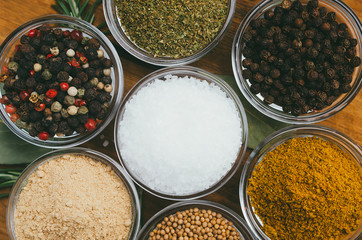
[[4, 195], [77, 8], [14, 150], [260, 126]]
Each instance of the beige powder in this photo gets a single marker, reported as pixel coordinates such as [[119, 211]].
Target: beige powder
[[73, 197]]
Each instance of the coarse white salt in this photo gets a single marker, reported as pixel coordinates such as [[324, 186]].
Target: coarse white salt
[[180, 135]]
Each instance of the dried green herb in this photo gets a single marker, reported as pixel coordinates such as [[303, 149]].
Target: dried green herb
[[172, 28]]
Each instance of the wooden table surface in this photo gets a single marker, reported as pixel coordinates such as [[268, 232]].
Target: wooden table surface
[[16, 12]]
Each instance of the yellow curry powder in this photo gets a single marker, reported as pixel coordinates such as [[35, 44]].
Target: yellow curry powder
[[307, 188]]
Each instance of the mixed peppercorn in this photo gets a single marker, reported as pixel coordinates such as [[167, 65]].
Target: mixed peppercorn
[[57, 83], [299, 57]]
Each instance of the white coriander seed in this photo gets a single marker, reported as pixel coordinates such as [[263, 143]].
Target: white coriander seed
[[72, 91], [70, 52]]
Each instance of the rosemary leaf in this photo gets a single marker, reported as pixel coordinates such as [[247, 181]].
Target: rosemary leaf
[[64, 8], [7, 184], [57, 8], [83, 7], [91, 10], [4, 195]]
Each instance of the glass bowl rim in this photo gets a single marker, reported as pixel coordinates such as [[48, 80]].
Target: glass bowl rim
[[93, 154], [209, 77], [278, 114], [122, 39], [173, 208], [77, 139], [283, 134]]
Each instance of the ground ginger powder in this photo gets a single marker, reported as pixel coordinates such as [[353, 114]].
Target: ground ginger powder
[[307, 188], [73, 197]]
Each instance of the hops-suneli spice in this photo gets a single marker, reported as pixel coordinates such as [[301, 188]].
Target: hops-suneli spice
[[307, 188], [195, 223], [73, 197], [172, 28]]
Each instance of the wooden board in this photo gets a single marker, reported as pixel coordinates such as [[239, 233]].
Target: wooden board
[[13, 13]]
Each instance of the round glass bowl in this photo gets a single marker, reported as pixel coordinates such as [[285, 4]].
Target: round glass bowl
[[114, 24], [344, 14], [227, 213], [8, 49], [200, 75], [276, 139], [96, 156]]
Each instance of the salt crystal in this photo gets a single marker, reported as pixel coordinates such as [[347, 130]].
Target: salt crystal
[[180, 136]]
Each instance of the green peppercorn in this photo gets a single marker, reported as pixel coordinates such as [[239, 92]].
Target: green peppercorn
[[56, 107], [46, 75]]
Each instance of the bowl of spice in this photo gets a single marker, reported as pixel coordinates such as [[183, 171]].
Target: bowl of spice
[[76, 193], [181, 133], [299, 61], [304, 182], [61, 79], [196, 219], [168, 33]]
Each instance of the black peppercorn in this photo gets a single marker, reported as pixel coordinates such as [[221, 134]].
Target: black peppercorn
[[269, 14], [93, 43], [94, 107], [35, 116], [255, 88], [247, 62], [275, 73], [91, 54], [258, 77], [247, 74], [264, 69], [73, 121], [356, 61], [312, 75], [76, 82], [254, 67], [82, 76], [106, 63]]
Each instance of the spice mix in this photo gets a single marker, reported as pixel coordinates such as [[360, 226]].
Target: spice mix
[[307, 188]]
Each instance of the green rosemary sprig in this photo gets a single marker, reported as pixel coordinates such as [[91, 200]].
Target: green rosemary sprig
[[7, 178], [77, 8]]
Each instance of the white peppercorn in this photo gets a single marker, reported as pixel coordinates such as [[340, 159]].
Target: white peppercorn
[[100, 85], [60, 134], [86, 65], [107, 72], [70, 52], [100, 53], [108, 88], [72, 110], [37, 67], [72, 91]]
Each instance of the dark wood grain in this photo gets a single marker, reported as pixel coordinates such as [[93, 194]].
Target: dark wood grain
[[16, 12]]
